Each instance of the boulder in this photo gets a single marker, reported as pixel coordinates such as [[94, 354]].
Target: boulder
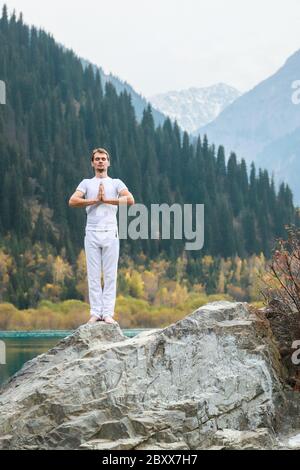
[[211, 380]]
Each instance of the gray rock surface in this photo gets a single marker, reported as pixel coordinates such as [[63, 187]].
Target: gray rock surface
[[212, 380]]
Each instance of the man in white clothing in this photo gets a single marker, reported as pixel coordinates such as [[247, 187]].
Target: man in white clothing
[[101, 196]]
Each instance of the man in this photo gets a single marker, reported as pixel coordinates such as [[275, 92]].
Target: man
[[101, 195]]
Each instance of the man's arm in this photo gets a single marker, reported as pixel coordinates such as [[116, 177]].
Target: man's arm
[[77, 200], [125, 198]]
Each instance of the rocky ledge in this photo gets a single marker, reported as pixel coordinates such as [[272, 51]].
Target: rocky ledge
[[213, 380]]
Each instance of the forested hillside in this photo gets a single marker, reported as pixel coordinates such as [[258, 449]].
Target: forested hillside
[[56, 112]]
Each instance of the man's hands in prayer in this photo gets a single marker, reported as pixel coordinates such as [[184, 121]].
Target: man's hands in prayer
[[101, 194]]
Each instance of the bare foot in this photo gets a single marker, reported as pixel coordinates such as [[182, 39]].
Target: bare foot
[[109, 319], [93, 319]]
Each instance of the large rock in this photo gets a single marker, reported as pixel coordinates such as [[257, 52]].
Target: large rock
[[212, 380]]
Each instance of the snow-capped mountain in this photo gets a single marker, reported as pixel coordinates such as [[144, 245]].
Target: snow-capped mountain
[[263, 125], [195, 107]]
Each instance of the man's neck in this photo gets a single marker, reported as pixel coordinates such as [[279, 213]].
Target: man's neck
[[101, 175]]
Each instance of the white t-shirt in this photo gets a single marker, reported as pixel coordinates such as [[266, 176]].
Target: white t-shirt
[[101, 216]]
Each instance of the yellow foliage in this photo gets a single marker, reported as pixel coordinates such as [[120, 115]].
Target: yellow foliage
[[6, 263], [81, 269], [150, 281], [236, 292], [136, 285], [7, 310], [221, 282], [61, 269], [207, 260], [51, 292]]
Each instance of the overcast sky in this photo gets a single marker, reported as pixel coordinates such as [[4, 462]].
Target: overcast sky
[[163, 45]]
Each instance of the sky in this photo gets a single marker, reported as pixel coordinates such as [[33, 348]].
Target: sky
[[163, 45]]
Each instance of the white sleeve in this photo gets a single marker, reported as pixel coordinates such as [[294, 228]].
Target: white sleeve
[[82, 187], [120, 186]]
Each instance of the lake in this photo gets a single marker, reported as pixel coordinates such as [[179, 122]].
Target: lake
[[21, 346]]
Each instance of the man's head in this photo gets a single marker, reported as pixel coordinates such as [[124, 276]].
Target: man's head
[[100, 160]]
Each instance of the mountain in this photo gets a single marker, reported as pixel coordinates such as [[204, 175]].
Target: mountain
[[56, 111], [263, 125], [195, 107]]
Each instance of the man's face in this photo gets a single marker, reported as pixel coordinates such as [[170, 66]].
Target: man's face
[[100, 162]]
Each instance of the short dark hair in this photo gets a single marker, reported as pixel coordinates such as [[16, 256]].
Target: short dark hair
[[100, 150]]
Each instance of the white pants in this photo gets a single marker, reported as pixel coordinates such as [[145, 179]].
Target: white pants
[[102, 252]]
